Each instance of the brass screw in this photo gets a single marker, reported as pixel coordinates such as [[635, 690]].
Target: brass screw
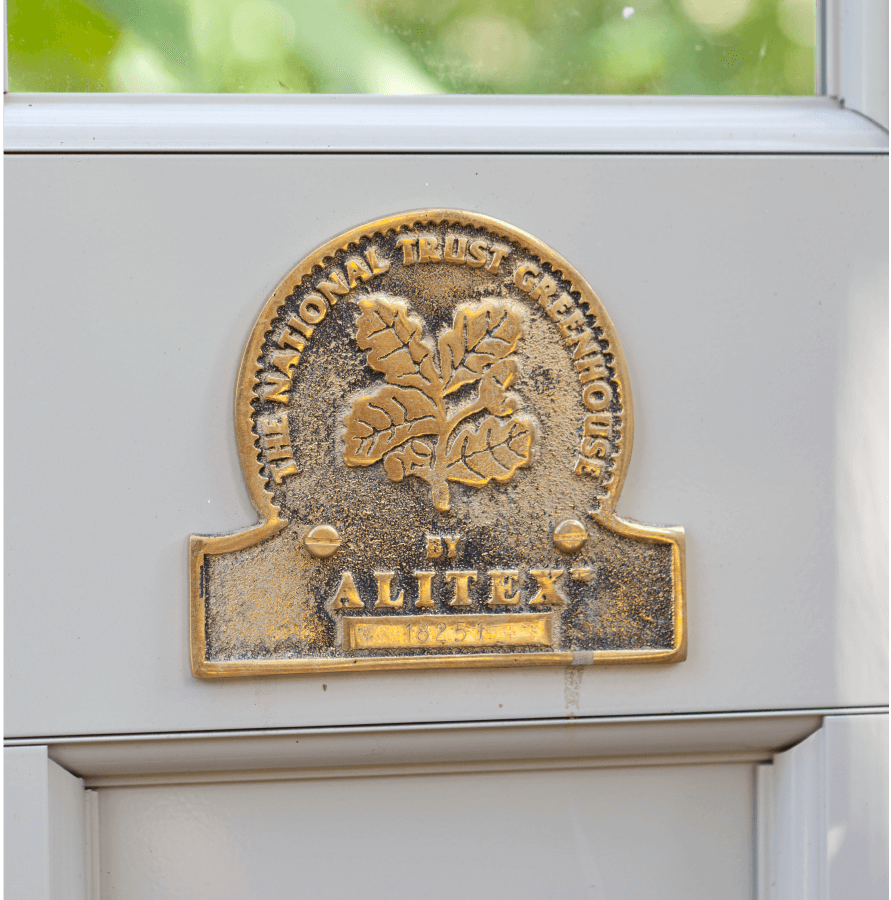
[[322, 541], [570, 536]]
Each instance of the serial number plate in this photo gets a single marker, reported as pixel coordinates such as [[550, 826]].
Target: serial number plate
[[399, 632]]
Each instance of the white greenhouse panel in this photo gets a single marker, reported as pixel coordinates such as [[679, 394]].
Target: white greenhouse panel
[[749, 294]]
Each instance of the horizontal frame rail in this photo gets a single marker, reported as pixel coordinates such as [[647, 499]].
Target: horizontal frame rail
[[189, 123]]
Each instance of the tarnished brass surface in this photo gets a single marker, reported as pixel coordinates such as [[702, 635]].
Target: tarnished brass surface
[[434, 422]]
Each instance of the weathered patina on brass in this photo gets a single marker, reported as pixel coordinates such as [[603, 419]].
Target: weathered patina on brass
[[434, 422]]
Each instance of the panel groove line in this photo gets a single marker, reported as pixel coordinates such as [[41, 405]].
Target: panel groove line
[[160, 735]]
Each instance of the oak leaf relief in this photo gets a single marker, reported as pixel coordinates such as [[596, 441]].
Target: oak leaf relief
[[407, 424]]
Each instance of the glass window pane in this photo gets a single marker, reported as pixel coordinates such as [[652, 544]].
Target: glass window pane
[[414, 46]]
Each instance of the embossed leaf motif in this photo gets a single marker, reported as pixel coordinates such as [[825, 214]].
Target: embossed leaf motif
[[493, 451], [395, 346], [389, 423], [383, 421], [479, 338]]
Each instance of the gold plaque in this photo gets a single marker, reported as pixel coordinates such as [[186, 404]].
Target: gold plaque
[[434, 422]]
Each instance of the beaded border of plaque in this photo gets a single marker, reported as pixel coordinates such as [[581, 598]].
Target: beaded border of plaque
[[434, 421]]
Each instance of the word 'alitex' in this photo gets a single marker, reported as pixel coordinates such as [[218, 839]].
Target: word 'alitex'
[[504, 589]]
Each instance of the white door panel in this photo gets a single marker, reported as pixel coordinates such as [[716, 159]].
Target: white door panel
[[598, 833], [749, 294]]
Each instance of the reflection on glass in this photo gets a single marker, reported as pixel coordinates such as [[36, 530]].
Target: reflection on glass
[[414, 46]]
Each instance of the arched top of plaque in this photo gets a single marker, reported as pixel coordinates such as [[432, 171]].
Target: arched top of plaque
[[455, 255], [434, 422]]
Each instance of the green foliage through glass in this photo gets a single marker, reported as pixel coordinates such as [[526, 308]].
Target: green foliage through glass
[[413, 46]]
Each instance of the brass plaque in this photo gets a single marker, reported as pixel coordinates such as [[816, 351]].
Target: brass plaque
[[434, 422]]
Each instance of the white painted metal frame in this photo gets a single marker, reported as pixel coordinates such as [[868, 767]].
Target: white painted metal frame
[[50, 830], [849, 115], [52, 123], [822, 814], [854, 56]]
